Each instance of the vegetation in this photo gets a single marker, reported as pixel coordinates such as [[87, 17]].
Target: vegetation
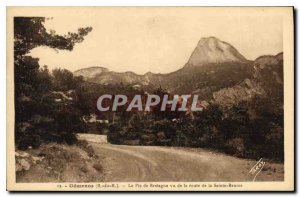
[[251, 129], [38, 117]]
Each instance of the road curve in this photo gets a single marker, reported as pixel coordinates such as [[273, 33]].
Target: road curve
[[152, 163]]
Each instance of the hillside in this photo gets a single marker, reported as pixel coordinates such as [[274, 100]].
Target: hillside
[[266, 81]]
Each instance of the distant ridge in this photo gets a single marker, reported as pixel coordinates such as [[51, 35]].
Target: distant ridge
[[213, 65], [90, 72]]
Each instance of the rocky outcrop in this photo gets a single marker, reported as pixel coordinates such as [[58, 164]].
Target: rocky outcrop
[[267, 81], [212, 50], [52, 163], [245, 91], [268, 71], [24, 161]]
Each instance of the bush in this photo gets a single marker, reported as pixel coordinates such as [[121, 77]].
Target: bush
[[69, 138], [84, 145], [34, 141], [235, 147]]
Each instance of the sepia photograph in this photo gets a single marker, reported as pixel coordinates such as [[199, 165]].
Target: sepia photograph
[[150, 99]]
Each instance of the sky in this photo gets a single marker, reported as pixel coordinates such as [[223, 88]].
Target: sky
[[159, 40]]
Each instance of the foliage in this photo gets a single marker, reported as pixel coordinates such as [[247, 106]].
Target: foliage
[[236, 131], [38, 118]]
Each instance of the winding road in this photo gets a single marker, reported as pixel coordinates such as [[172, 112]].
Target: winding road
[[152, 163]]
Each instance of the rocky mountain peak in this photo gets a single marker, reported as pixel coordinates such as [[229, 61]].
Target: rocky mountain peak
[[212, 50]]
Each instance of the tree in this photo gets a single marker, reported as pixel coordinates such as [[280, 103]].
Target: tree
[[63, 80], [32, 84], [30, 32]]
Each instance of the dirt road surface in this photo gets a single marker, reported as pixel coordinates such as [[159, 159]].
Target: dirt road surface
[[152, 163]]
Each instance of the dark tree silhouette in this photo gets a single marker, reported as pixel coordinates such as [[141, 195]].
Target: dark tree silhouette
[[32, 83]]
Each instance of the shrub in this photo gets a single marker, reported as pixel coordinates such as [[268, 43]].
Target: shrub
[[84, 145], [235, 147], [69, 138]]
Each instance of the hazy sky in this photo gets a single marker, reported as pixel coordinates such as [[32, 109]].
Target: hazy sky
[[159, 40]]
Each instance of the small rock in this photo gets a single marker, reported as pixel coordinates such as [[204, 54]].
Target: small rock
[[25, 164], [18, 167], [37, 158], [24, 154]]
